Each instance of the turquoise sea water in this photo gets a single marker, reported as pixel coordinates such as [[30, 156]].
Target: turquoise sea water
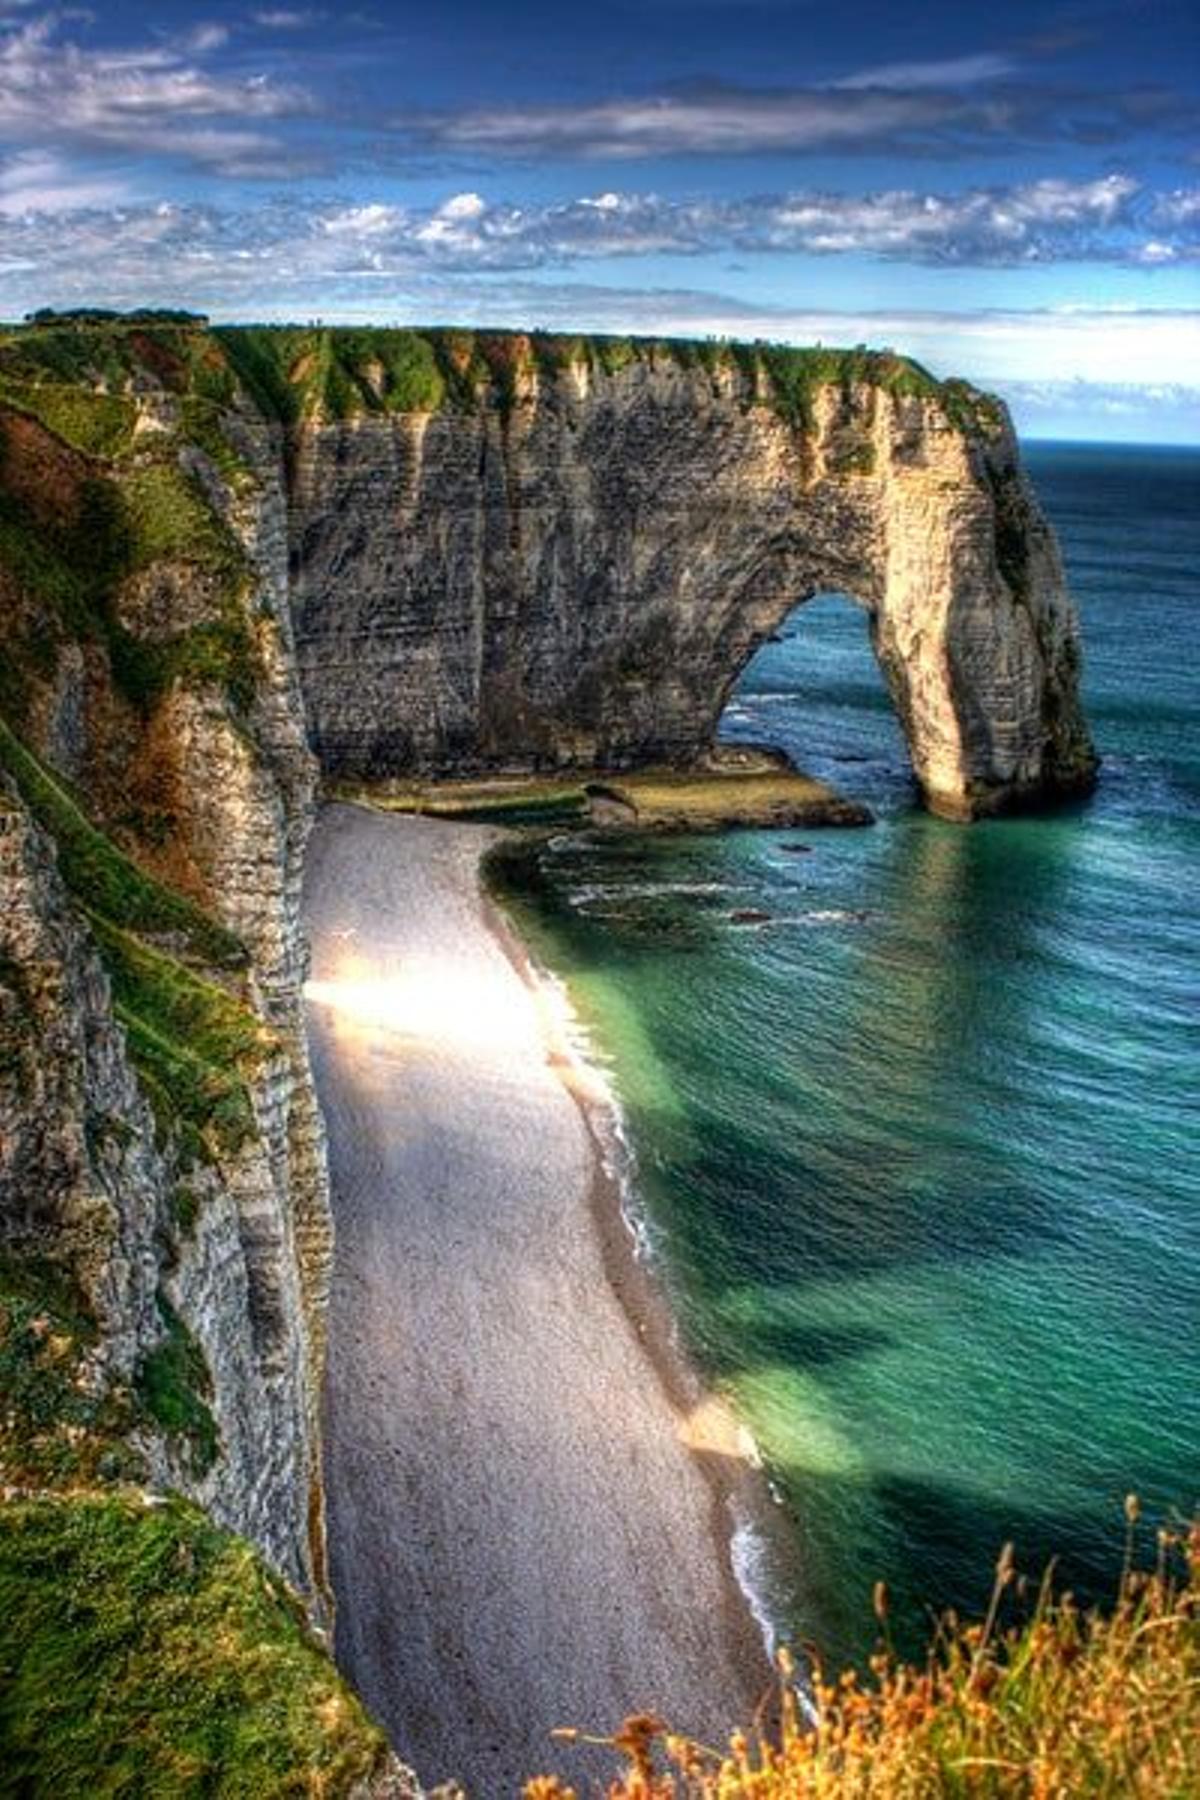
[[918, 1154]]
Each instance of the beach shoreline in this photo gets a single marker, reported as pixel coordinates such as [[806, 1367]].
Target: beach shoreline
[[531, 1498], [740, 1491]]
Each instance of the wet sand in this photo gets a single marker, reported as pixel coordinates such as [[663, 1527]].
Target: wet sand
[[529, 1500]]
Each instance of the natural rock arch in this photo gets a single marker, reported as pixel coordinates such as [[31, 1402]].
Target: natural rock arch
[[572, 573]]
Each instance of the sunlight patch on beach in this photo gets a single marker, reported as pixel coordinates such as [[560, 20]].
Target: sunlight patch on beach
[[437, 1002]]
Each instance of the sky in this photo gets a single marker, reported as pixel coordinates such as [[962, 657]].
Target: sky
[[1011, 194]]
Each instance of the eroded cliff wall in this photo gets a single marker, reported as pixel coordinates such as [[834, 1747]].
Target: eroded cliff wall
[[569, 566], [161, 1164]]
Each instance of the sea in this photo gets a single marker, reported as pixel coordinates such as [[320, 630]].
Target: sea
[[916, 1156]]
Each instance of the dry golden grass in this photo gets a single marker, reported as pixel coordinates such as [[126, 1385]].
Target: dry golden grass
[[1070, 1703]]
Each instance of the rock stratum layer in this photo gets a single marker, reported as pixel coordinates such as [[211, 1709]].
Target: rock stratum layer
[[230, 559]]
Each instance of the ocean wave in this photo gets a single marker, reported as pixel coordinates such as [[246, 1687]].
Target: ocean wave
[[827, 915], [617, 1155]]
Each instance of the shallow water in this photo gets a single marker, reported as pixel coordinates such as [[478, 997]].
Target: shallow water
[[918, 1153]]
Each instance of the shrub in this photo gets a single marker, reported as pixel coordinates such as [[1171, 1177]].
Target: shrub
[[1067, 1704]]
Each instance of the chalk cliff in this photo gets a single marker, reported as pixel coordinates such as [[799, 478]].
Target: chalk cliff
[[231, 559], [570, 567]]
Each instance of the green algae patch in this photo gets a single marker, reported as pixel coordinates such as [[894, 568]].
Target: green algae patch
[[745, 787], [499, 799], [148, 1652], [716, 799], [174, 1385]]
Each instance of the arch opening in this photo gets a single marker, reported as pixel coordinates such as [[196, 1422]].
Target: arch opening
[[813, 689]]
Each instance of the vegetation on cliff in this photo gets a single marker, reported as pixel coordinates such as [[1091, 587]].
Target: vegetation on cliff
[[294, 372], [190, 1040], [1064, 1704], [147, 1652], [58, 1426]]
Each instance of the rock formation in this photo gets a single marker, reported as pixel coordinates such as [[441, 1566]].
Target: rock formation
[[571, 568], [424, 553]]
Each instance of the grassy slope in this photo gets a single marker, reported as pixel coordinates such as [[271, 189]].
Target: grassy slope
[[148, 1653], [82, 513], [191, 1041]]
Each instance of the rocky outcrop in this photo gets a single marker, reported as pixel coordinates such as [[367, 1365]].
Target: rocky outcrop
[[571, 570]]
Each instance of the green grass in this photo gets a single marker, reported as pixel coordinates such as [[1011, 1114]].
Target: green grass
[[174, 1386], [128, 519], [149, 1653], [99, 425], [293, 372], [168, 518], [192, 1042]]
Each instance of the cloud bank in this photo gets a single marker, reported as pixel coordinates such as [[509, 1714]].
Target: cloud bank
[[57, 225]]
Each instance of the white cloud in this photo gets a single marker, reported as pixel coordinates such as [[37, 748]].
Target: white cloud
[[205, 37], [283, 18], [1032, 222], [949, 107], [149, 99], [716, 121], [951, 72], [1181, 207], [37, 181], [86, 239]]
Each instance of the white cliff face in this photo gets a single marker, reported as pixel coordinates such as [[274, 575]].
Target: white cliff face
[[234, 1246], [576, 578]]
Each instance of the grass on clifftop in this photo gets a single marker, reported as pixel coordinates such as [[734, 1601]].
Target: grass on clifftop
[[293, 372], [146, 1652], [296, 372], [1098, 1705]]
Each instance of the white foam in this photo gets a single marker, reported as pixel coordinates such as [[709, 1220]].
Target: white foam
[[748, 1554], [617, 1155]]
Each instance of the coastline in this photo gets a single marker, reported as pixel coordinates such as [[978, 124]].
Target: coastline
[[721, 1445], [532, 1500]]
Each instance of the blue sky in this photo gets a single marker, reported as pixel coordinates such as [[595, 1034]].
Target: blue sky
[[1010, 194]]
